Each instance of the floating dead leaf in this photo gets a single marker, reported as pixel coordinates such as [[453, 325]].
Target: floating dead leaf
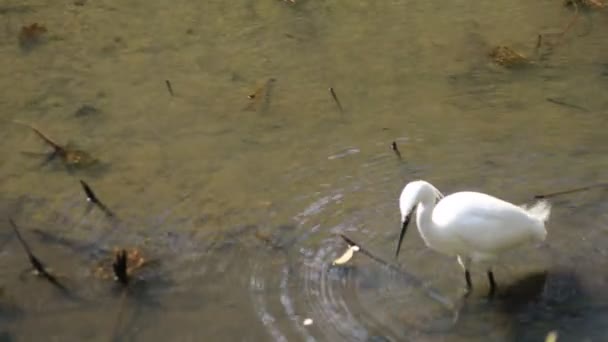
[[31, 35], [346, 256], [507, 57], [134, 260]]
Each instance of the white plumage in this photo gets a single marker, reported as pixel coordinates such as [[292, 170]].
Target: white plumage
[[473, 226]]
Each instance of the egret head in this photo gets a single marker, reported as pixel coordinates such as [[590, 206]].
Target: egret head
[[414, 192]]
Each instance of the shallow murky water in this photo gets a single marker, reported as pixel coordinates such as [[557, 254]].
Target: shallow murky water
[[239, 202]]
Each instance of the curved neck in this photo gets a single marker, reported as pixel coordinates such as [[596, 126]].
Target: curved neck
[[424, 220]]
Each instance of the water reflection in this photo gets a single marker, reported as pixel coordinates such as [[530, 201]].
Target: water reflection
[[530, 307]]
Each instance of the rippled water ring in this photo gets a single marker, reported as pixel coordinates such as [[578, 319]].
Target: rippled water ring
[[305, 297]]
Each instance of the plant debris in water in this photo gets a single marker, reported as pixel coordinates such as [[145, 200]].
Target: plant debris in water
[[335, 97], [169, 87], [86, 110], [70, 157], [31, 35], [591, 4], [260, 98], [123, 265], [36, 264], [561, 102], [395, 149], [91, 197], [507, 57], [347, 255], [119, 266]]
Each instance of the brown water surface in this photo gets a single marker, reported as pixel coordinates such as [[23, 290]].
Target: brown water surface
[[240, 199]]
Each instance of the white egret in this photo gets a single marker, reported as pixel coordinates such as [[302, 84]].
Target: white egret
[[472, 226]]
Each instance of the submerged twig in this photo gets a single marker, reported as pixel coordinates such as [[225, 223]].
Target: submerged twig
[[395, 149], [566, 104], [335, 97], [91, 197], [564, 192], [70, 157], [36, 264], [169, 87], [539, 43], [429, 291]]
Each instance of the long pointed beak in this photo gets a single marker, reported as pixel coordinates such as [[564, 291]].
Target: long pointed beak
[[406, 221]]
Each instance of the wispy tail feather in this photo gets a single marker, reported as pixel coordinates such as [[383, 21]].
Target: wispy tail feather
[[540, 211]]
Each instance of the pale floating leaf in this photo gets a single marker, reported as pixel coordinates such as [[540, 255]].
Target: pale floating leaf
[[346, 256], [551, 336]]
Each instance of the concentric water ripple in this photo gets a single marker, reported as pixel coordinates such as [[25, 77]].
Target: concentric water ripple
[[362, 301]]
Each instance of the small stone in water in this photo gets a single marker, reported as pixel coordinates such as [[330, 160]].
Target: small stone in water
[[86, 110], [307, 321]]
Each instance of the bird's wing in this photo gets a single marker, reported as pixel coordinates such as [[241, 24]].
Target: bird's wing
[[483, 223], [489, 234]]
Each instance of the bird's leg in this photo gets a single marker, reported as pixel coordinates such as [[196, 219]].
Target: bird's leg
[[465, 262], [492, 283], [467, 277]]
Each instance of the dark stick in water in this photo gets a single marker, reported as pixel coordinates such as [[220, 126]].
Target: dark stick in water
[[564, 192], [34, 261], [58, 149], [566, 104], [539, 41], [70, 157], [432, 293], [169, 87], [333, 94], [91, 197], [120, 267], [396, 149]]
